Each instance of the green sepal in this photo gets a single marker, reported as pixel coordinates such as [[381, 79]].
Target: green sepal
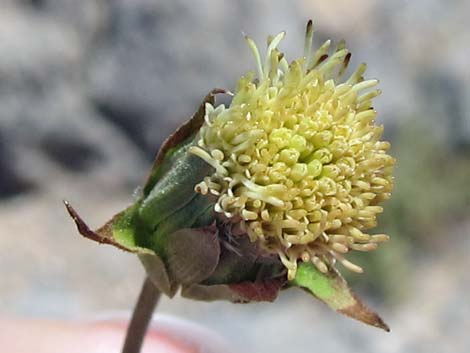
[[127, 229], [174, 191], [119, 231], [168, 195], [171, 148], [332, 289], [194, 214]]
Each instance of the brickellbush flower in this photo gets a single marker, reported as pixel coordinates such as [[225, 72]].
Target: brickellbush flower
[[267, 193], [297, 157]]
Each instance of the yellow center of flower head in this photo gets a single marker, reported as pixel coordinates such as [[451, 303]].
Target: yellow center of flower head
[[298, 159]]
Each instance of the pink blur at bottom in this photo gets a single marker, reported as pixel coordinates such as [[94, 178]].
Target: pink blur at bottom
[[49, 336]]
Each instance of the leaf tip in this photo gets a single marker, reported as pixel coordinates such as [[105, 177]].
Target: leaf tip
[[87, 232], [360, 312], [82, 227]]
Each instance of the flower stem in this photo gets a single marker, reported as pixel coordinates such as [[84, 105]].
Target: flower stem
[[141, 317]]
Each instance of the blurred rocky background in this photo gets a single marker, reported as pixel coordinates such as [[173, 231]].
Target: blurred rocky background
[[88, 90]]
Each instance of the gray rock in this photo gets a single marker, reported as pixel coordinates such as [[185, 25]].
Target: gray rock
[[45, 110]]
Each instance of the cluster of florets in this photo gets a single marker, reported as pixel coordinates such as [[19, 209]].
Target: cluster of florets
[[298, 158]]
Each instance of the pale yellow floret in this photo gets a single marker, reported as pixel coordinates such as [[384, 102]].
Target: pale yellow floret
[[298, 158]]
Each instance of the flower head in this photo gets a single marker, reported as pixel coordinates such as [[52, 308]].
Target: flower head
[[297, 156], [289, 176]]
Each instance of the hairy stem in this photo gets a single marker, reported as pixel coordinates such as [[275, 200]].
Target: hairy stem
[[141, 317]]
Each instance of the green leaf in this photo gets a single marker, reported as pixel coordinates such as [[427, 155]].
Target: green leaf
[[333, 290]]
